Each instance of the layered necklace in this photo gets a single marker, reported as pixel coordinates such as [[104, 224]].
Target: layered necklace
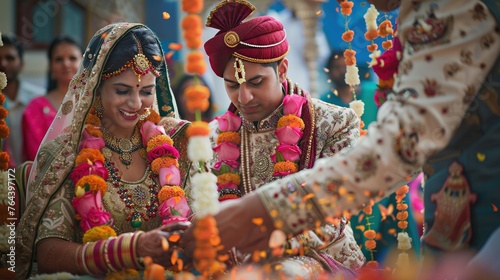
[[122, 146]]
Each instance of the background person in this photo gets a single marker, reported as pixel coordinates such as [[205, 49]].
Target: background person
[[64, 55]]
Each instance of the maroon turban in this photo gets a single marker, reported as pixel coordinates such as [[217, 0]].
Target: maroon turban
[[259, 40]]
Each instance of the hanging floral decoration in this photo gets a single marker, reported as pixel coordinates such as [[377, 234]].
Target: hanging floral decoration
[[352, 75], [386, 65], [204, 184], [4, 129], [404, 240]]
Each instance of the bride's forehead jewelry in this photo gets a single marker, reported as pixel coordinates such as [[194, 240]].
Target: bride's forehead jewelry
[[140, 64], [240, 71]]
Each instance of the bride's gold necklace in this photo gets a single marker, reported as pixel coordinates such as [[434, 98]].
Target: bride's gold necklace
[[122, 146]]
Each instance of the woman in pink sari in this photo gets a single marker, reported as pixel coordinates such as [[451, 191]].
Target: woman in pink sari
[[64, 57]]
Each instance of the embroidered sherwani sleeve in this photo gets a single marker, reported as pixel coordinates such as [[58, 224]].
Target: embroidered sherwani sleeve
[[437, 81], [344, 134]]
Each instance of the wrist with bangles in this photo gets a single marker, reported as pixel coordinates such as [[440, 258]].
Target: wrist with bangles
[[113, 254]]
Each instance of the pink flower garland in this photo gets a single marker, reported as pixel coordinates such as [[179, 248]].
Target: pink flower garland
[[287, 153]]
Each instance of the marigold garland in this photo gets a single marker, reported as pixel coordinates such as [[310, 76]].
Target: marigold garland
[[286, 167], [167, 192], [98, 233], [159, 140], [229, 136], [198, 128], [94, 131], [94, 184], [3, 113], [4, 131], [161, 162], [229, 178], [292, 121], [88, 154]]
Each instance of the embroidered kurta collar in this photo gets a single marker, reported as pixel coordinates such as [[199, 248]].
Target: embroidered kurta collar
[[268, 123]]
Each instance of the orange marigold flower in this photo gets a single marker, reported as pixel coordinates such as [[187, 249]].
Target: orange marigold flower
[[228, 196], [372, 264], [346, 7], [192, 6], [386, 83], [400, 197], [370, 234], [197, 92], [387, 44], [191, 21], [350, 61], [402, 206], [385, 28], [286, 166], [4, 161], [402, 224], [159, 140], [368, 210], [349, 53], [348, 36], [372, 47], [403, 215], [167, 192], [4, 131], [194, 43], [94, 131], [2, 122], [98, 233], [89, 154], [198, 128], [229, 178], [195, 63], [229, 136], [371, 35], [92, 183], [3, 113], [403, 190], [192, 34], [292, 121], [2, 98], [370, 244], [195, 105], [158, 163], [175, 46], [93, 120]]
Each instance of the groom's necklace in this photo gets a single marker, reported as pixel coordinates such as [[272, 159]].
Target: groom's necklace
[[122, 146]]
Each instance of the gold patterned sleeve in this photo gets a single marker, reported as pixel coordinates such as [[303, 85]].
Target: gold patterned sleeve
[[416, 122], [58, 220], [344, 130]]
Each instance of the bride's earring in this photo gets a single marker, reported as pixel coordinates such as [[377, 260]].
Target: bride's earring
[[144, 115]]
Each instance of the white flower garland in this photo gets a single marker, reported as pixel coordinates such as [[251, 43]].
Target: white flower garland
[[3, 80], [199, 149]]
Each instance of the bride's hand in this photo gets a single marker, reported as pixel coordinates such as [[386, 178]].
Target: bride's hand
[[155, 243]]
